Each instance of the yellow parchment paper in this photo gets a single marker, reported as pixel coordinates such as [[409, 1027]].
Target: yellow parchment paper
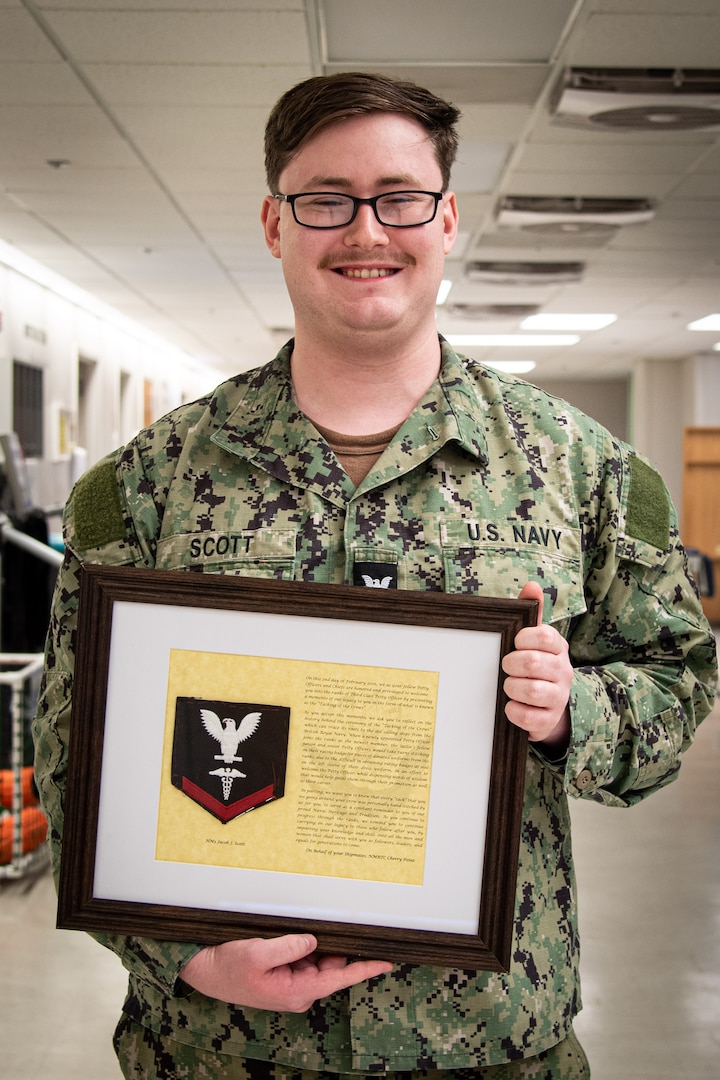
[[358, 775]]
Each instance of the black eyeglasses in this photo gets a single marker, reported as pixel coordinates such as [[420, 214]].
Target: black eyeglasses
[[330, 210]]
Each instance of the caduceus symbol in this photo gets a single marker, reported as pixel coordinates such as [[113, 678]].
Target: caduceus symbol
[[227, 776], [229, 735]]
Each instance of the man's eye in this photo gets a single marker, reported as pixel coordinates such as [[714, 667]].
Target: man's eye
[[324, 202], [402, 198]]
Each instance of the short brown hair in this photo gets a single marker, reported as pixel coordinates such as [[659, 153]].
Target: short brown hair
[[317, 102]]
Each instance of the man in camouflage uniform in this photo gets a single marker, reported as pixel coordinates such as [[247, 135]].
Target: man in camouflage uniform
[[367, 449]]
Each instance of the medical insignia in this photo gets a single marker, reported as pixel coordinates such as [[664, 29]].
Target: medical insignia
[[229, 756]]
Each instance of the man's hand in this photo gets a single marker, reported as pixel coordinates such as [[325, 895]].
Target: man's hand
[[538, 681], [283, 974]]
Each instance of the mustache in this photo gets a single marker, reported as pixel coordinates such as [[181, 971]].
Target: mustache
[[346, 258]]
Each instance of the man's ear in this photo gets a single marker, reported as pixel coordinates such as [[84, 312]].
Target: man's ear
[[450, 221], [270, 218]]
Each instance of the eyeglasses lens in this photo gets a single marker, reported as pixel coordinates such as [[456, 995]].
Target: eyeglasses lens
[[399, 209]]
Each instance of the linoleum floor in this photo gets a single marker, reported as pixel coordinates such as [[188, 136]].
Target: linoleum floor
[[649, 896]]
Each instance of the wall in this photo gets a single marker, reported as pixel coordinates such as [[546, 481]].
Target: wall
[[703, 375], [669, 396], [42, 327]]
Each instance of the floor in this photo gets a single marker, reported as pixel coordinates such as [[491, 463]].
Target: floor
[[649, 894]]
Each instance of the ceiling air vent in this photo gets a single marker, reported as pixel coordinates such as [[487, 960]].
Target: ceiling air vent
[[491, 311], [567, 216], [501, 272], [639, 99]]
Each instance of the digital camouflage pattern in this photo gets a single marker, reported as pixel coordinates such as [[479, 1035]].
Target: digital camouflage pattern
[[145, 1055], [489, 483]]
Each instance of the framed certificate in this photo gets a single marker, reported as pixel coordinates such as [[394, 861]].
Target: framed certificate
[[252, 757]]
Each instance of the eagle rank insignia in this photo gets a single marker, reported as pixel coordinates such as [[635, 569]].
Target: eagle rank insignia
[[230, 756]]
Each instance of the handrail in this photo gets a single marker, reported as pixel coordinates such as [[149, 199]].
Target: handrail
[[29, 543]]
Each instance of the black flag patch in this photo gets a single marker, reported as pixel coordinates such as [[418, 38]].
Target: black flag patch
[[230, 756]]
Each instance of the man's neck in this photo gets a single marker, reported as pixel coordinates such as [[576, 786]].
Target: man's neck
[[362, 395]]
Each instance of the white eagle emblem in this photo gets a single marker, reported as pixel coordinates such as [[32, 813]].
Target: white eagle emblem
[[228, 733], [376, 582]]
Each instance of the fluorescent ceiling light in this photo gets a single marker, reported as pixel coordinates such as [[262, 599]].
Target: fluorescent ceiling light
[[23, 264], [710, 322], [716, 346], [512, 367], [443, 291], [512, 341], [546, 320]]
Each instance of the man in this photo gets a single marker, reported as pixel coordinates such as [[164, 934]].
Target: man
[[370, 444]]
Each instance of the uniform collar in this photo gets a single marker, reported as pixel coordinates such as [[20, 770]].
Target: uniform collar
[[457, 405], [266, 426]]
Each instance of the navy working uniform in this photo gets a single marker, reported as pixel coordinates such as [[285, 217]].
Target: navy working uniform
[[489, 483]]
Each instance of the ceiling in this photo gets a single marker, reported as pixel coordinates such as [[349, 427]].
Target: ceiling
[[131, 161]]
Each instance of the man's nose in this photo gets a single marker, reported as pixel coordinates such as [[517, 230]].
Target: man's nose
[[365, 228]]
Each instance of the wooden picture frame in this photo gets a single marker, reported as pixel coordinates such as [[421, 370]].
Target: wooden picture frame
[[395, 833]]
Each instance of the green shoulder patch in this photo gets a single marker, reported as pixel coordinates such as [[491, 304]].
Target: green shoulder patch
[[98, 513], [648, 513]]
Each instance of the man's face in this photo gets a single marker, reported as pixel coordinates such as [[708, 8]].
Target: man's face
[[364, 156]]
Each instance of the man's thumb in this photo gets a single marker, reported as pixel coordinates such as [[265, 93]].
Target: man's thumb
[[532, 590]]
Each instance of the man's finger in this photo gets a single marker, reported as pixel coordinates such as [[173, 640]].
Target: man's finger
[[288, 949], [532, 590]]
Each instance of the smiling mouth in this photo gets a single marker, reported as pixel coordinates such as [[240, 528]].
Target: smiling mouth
[[349, 271]]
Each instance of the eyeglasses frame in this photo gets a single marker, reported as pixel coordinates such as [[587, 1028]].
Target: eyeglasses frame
[[357, 203]]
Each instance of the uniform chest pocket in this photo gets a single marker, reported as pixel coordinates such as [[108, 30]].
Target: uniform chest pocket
[[254, 553], [498, 559]]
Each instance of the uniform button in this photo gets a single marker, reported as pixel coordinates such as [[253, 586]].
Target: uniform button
[[584, 778]]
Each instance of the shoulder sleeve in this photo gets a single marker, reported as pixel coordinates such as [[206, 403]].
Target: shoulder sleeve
[[99, 527], [643, 652]]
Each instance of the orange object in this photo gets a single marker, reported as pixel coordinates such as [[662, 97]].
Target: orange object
[[34, 832], [29, 795]]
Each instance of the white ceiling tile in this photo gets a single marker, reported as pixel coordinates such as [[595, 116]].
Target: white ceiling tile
[[22, 39], [77, 181], [176, 138], [678, 238], [611, 156], [495, 123], [139, 206], [711, 161], [657, 7], [273, 311], [681, 209], [625, 39], [162, 5], [199, 85], [417, 30], [30, 135], [699, 186], [640, 185], [21, 229], [39, 83], [464, 84], [206, 184], [182, 37], [478, 166], [630, 263]]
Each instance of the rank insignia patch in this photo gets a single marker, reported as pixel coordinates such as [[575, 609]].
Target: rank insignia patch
[[374, 575], [230, 756]]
